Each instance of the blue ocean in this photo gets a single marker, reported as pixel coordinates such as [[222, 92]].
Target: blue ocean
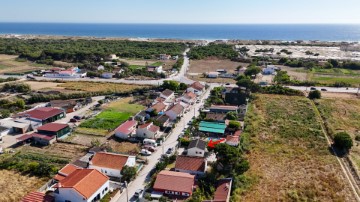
[[186, 31]]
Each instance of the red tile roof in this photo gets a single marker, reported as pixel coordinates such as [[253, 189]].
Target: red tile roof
[[197, 85], [108, 160], [85, 181], [190, 163], [167, 92], [68, 169], [174, 181], [178, 108], [222, 190], [37, 197], [43, 113], [59, 177], [53, 127], [158, 107], [45, 137], [125, 128], [145, 125], [24, 137], [154, 128], [191, 95]]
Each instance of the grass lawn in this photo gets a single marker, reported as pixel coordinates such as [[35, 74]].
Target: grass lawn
[[343, 114], [123, 105], [157, 64], [354, 81], [106, 120], [136, 67], [289, 157]]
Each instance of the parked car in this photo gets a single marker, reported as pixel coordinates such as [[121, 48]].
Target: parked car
[[139, 193], [312, 88], [170, 151], [323, 89], [77, 117], [149, 148], [227, 84], [145, 152], [73, 120]]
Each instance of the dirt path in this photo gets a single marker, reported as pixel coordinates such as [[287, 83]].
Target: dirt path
[[346, 167]]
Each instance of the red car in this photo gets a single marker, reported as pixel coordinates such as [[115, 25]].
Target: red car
[[73, 120]]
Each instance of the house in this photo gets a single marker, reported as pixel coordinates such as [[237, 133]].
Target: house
[[223, 190], [223, 108], [59, 130], [233, 140], [86, 185], [175, 111], [234, 96], [174, 183], [65, 171], [4, 131], [168, 95], [126, 130], [213, 74], [196, 88], [71, 73], [44, 114], [175, 57], [148, 130], [67, 105], [188, 97], [37, 197], [157, 69], [142, 116], [221, 71], [17, 126], [270, 69], [197, 148], [212, 127], [191, 164], [218, 117], [164, 57], [111, 164], [163, 120], [113, 57], [100, 68], [158, 108], [43, 139], [107, 75]]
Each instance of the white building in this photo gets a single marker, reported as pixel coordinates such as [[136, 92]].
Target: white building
[[196, 88], [157, 69], [164, 57], [197, 148], [100, 68], [270, 69], [111, 164], [148, 130], [86, 185], [126, 130], [167, 95], [188, 97], [107, 75]]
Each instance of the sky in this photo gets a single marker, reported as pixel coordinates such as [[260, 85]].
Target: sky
[[182, 11]]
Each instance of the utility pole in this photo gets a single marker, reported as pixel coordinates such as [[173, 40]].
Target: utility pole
[[358, 90], [127, 192]]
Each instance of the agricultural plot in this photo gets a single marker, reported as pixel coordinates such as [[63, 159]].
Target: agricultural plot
[[9, 64], [289, 157], [343, 114], [211, 65], [354, 81], [15, 186], [100, 87]]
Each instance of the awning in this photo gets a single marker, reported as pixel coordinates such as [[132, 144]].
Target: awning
[[156, 194]]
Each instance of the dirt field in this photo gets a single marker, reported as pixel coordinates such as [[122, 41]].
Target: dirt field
[[295, 73], [8, 64], [343, 114], [14, 186], [35, 85], [289, 157], [211, 65], [200, 77], [124, 147], [99, 87], [167, 64], [85, 140]]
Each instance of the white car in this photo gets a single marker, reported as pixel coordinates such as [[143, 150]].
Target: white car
[[139, 193], [145, 152]]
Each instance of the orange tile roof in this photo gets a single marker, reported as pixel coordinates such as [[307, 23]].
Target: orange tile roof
[[222, 190], [158, 107], [85, 181], [190, 163], [108, 160], [37, 197], [191, 95], [68, 169], [174, 181], [197, 85], [59, 177]]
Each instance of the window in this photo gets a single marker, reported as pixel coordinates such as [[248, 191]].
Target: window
[[200, 152], [177, 193], [105, 171], [67, 201], [185, 194], [106, 188]]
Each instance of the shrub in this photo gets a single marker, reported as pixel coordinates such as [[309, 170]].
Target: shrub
[[128, 173], [343, 140], [234, 125], [315, 94]]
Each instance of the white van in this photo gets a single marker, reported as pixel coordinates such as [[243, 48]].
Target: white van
[[150, 142]]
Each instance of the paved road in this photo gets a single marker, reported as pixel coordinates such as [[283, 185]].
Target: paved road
[[141, 179], [328, 89]]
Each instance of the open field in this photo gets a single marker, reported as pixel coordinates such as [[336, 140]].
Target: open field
[[83, 139], [354, 81], [343, 114], [124, 147], [14, 186], [200, 77], [167, 64], [211, 65], [36, 85], [100, 87], [8, 64], [289, 157], [123, 105]]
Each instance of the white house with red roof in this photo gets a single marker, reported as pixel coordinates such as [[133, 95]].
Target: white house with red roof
[[174, 183], [175, 111], [189, 98], [196, 88], [126, 130], [65, 171], [167, 95], [111, 164], [73, 72], [233, 140], [86, 185], [148, 130], [44, 114]]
